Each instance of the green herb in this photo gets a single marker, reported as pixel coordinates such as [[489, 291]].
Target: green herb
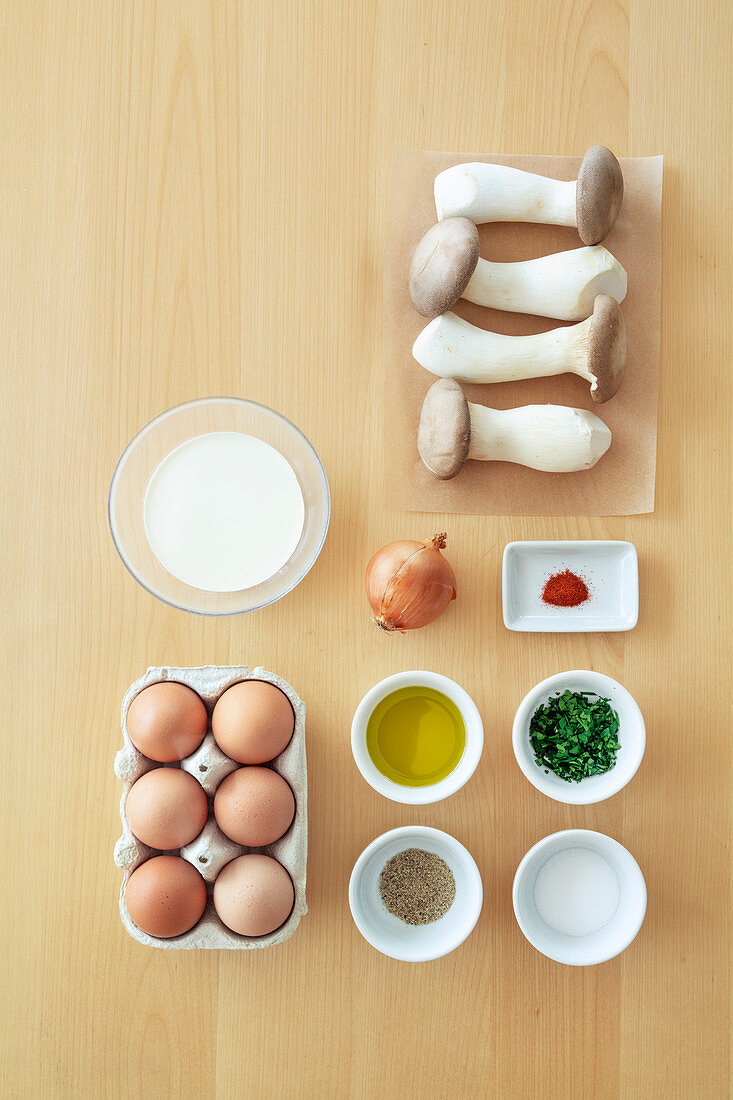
[[575, 735]]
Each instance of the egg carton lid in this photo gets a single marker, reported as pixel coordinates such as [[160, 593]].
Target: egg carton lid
[[211, 850]]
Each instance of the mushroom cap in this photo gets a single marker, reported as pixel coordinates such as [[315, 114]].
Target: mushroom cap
[[606, 348], [599, 191], [442, 265], [444, 435]]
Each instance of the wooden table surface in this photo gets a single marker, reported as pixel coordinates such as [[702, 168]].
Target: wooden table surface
[[193, 203]]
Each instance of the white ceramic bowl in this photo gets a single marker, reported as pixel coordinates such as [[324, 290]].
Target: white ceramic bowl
[[155, 441], [390, 935], [631, 736], [464, 769], [610, 940]]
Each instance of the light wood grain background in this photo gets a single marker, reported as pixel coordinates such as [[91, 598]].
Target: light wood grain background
[[193, 200]]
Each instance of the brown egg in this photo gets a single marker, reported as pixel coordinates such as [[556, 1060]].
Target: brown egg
[[254, 895], [166, 808], [166, 721], [254, 806], [253, 722], [165, 896]]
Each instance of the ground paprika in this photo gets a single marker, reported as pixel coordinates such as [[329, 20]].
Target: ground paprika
[[565, 590]]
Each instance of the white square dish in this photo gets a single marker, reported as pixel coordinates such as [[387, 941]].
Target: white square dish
[[610, 570]]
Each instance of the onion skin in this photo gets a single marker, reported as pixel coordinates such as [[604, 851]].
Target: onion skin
[[409, 584]]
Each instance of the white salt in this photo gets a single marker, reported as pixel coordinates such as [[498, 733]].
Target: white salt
[[576, 892]]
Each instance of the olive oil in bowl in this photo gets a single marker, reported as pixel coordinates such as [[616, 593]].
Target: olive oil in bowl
[[415, 736]]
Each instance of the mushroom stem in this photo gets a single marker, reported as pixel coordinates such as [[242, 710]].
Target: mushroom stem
[[552, 438], [594, 349], [562, 285], [497, 193], [453, 348]]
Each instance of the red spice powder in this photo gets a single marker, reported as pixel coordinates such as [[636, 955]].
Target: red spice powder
[[565, 590]]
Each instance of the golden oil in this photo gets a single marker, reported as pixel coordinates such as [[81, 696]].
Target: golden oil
[[415, 736]]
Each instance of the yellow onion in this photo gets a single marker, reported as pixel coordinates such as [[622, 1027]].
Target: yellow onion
[[409, 584]]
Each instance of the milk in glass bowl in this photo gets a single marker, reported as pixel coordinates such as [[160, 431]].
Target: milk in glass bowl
[[219, 506]]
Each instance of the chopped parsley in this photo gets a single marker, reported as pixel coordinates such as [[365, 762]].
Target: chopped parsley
[[575, 735]]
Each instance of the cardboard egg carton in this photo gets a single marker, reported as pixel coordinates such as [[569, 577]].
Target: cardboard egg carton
[[211, 850]]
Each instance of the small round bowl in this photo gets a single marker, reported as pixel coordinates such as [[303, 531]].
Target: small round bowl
[[610, 940], [155, 441], [464, 769], [631, 736], [390, 935]]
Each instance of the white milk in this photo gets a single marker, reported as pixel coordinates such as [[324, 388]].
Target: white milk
[[223, 512]]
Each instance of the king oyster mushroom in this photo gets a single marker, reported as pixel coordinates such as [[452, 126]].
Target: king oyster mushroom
[[553, 438], [594, 349], [446, 266], [497, 193]]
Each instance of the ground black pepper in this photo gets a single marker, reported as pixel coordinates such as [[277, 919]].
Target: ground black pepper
[[417, 886]]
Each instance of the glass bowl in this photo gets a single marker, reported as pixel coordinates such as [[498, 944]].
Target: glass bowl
[[155, 441]]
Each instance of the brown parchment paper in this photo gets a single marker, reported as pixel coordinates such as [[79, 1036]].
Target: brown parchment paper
[[622, 482]]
